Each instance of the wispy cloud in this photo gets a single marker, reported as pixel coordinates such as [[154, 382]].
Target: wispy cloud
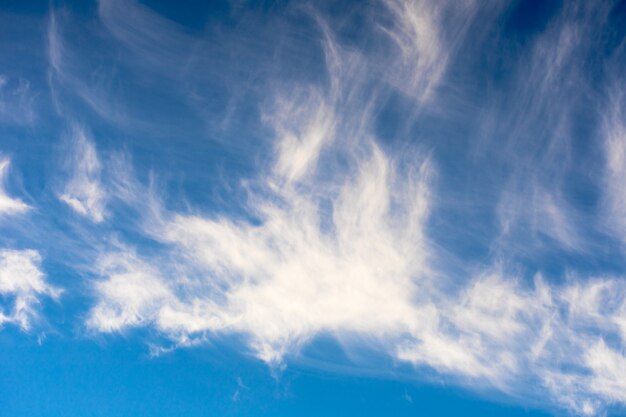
[[133, 288], [615, 173], [155, 40], [8, 205], [73, 75], [418, 30], [84, 192], [22, 285], [532, 141], [17, 101], [529, 213]]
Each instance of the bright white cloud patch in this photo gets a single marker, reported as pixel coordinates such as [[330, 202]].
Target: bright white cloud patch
[[84, 192], [133, 288], [8, 205], [22, 284]]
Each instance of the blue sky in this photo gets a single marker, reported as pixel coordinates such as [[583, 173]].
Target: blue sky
[[315, 208]]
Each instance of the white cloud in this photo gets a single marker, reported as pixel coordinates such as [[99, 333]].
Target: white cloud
[[427, 33], [416, 32], [479, 331], [132, 287], [8, 205], [22, 284], [608, 368], [84, 192], [301, 147]]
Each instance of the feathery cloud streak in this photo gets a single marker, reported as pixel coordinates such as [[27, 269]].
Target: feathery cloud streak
[[8, 205], [84, 192]]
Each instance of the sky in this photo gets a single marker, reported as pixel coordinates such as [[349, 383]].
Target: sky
[[312, 208]]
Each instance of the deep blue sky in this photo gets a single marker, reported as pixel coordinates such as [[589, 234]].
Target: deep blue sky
[[391, 207]]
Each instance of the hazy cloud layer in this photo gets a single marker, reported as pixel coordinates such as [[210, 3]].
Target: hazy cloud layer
[[17, 102]]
